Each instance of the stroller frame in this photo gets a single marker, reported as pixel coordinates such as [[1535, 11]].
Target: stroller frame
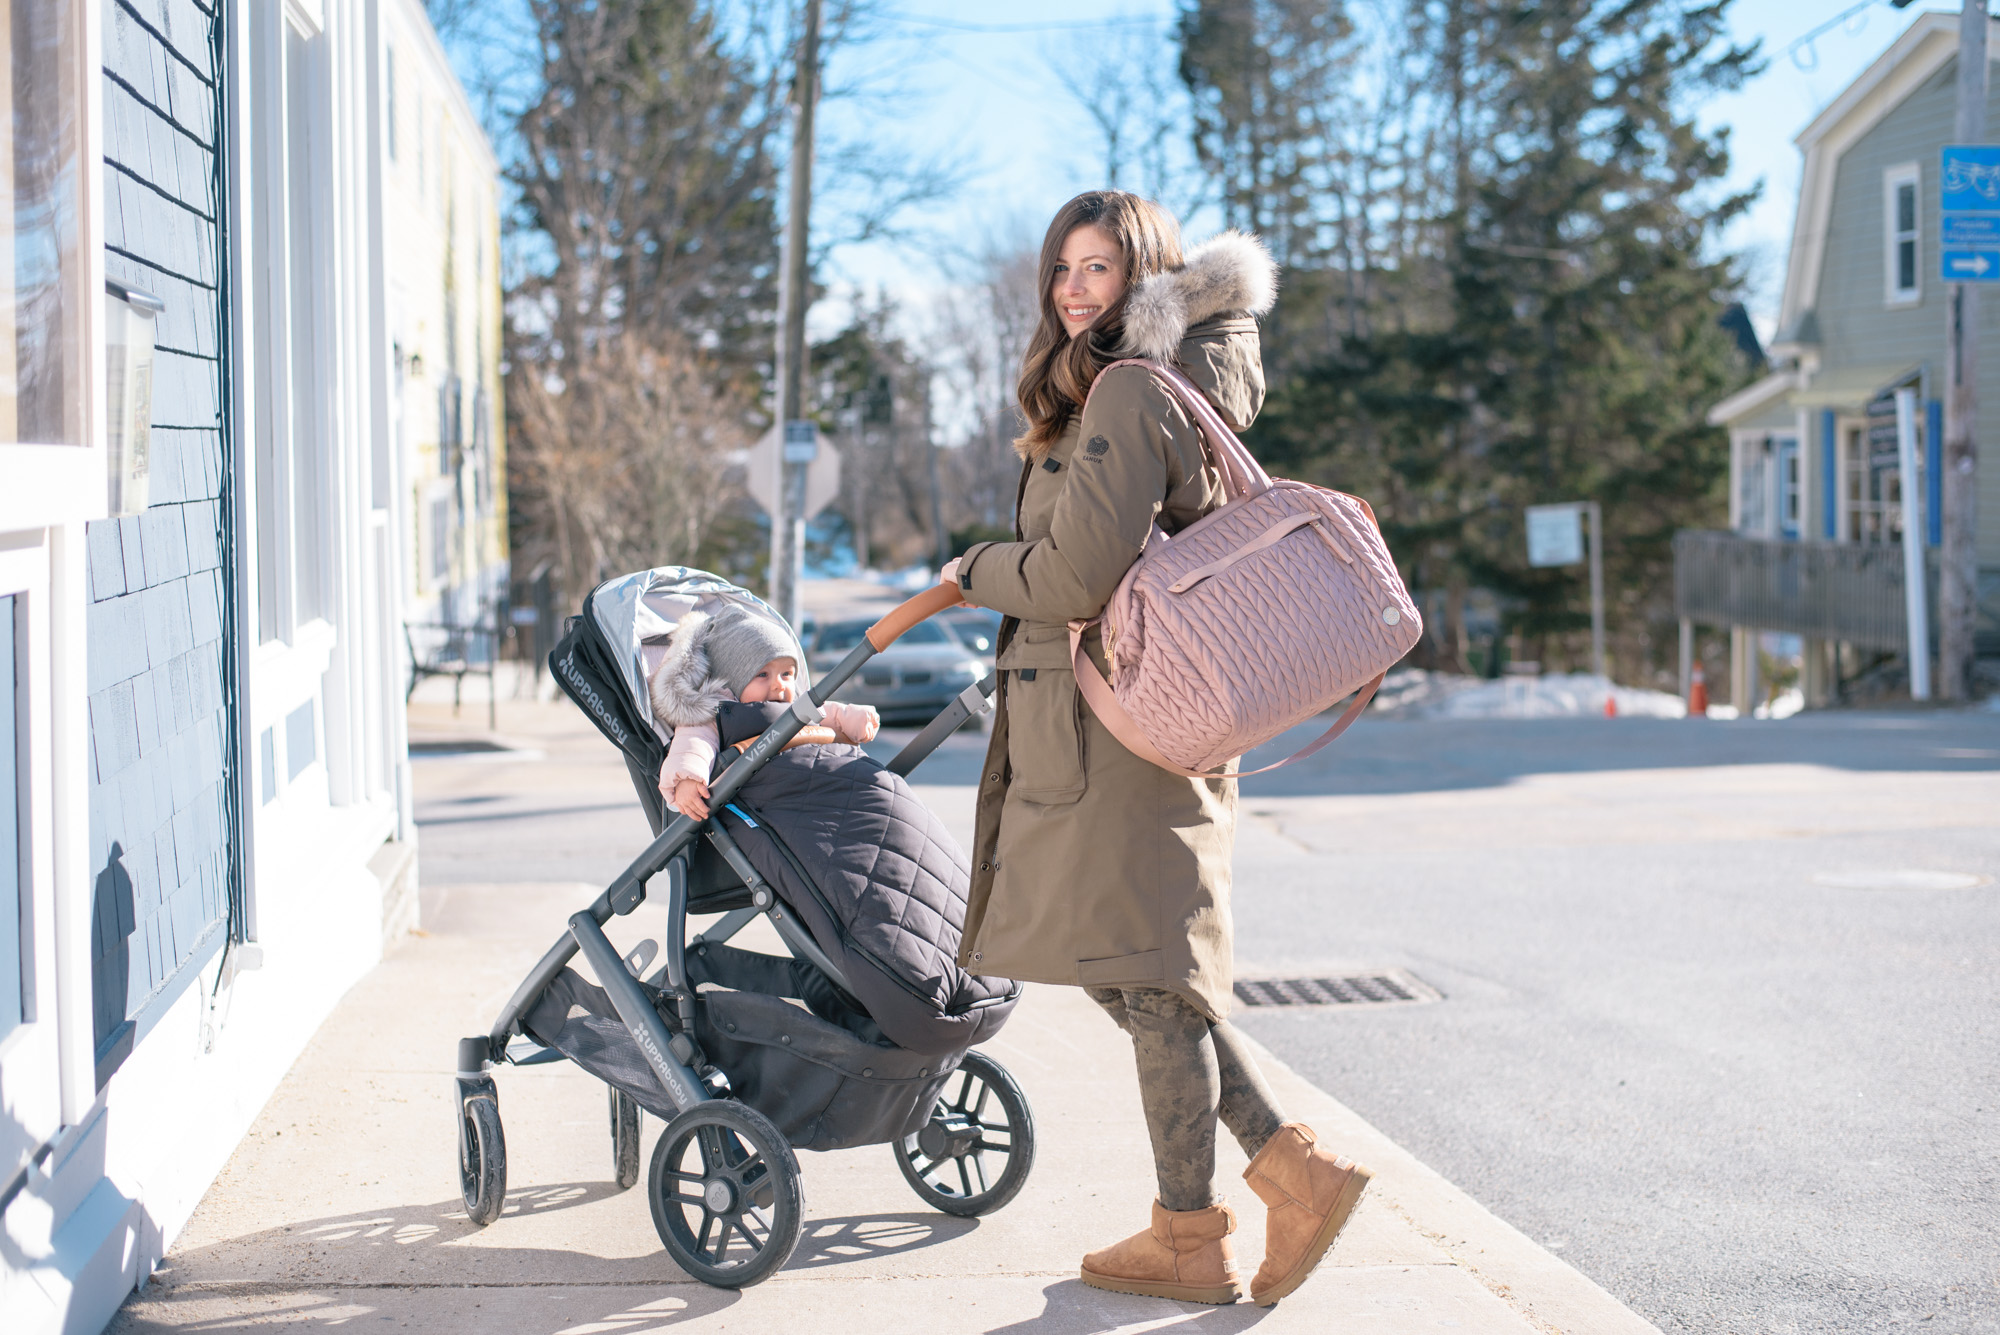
[[750, 1174]]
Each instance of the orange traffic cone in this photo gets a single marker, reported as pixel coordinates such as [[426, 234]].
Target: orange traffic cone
[[1697, 694], [1610, 705]]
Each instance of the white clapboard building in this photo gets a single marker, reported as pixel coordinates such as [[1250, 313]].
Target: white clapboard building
[[219, 486]]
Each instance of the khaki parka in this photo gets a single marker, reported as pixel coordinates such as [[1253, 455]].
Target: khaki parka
[[1091, 866]]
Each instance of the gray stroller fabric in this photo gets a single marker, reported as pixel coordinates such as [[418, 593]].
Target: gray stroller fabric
[[823, 1087], [880, 884]]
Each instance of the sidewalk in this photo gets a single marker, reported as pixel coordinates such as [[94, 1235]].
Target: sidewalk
[[341, 1206]]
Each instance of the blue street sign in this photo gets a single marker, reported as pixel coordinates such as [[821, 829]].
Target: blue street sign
[[1970, 266], [1969, 213], [1969, 178], [1968, 230]]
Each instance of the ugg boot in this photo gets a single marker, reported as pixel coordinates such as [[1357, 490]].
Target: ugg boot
[[1311, 1192], [1185, 1255]]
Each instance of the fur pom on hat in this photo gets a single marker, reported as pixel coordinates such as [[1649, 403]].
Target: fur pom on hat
[[682, 688], [1230, 272]]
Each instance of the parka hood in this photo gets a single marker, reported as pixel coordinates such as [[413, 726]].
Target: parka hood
[[1202, 317]]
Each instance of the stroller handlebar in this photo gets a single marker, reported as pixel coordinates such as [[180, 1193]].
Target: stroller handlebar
[[922, 607]]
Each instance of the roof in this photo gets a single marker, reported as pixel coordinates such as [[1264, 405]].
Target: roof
[[1749, 399], [1925, 47], [1852, 387]]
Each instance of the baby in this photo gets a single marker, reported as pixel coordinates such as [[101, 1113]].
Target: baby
[[736, 654]]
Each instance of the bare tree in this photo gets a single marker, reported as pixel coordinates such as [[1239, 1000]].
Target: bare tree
[[619, 454]]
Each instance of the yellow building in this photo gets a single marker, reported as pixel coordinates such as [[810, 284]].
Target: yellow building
[[440, 255]]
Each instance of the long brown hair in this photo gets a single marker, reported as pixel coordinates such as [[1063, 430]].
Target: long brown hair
[[1057, 372]]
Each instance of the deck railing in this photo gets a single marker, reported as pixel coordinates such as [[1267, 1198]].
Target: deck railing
[[1826, 590]]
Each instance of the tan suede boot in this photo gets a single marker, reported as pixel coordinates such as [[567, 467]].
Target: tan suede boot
[[1311, 1192], [1185, 1255]]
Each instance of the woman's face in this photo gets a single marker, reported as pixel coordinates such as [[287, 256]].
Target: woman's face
[[1090, 275]]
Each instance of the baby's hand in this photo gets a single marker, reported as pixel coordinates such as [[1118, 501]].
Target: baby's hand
[[868, 724], [691, 798]]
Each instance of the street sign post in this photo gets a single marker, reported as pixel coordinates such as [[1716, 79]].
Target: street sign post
[[1555, 538], [1969, 213]]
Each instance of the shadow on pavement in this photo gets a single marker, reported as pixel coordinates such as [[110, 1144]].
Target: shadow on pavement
[[1072, 1305], [844, 1240]]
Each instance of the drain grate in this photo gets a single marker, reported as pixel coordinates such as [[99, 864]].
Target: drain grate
[[1368, 989]]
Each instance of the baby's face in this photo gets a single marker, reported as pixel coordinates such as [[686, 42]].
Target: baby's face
[[776, 680]]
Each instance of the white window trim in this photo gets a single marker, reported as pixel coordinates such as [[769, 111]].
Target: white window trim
[[1911, 174]]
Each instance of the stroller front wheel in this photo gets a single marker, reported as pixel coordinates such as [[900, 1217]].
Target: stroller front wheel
[[482, 1154], [725, 1193], [974, 1154]]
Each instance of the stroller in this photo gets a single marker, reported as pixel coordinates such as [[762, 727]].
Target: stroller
[[868, 893]]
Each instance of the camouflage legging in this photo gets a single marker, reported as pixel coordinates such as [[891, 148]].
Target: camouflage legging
[[1190, 1071]]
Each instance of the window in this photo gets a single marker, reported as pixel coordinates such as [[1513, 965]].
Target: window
[[441, 540], [390, 79], [40, 371], [1788, 486], [14, 976], [1901, 199], [289, 402]]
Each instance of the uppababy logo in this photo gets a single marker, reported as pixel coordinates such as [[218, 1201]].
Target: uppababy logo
[[589, 696]]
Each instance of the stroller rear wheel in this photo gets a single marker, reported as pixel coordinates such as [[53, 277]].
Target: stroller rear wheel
[[725, 1193], [974, 1154], [624, 1138], [482, 1154]]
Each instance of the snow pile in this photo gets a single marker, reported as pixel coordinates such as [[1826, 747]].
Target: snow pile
[[1415, 693]]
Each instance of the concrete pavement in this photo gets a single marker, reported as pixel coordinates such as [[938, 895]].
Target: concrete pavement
[[341, 1206]]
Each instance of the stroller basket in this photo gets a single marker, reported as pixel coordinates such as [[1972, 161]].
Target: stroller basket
[[863, 1036]]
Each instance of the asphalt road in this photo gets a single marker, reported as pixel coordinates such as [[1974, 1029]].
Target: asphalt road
[[1697, 1034], [1740, 1098]]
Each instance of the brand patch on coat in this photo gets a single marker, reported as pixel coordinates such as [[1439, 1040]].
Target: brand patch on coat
[[1097, 447]]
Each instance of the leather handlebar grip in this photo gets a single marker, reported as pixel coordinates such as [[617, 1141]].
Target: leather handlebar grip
[[920, 608]]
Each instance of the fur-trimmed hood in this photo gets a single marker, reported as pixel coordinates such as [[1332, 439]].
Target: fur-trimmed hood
[[683, 690], [1228, 274]]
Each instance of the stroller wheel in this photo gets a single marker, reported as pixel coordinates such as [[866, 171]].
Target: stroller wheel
[[725, 1193], [624, 1138], [482, 1154], [974, 1154]]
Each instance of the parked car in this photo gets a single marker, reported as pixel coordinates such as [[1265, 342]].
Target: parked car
[[910, 681], [979, 627]]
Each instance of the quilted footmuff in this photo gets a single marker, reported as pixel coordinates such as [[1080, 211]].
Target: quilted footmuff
[[880, 884]]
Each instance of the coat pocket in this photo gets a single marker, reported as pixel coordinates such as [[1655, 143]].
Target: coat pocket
[[1045, 737]]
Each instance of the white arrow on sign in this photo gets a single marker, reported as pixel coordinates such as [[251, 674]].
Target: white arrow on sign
[[1978, 264]]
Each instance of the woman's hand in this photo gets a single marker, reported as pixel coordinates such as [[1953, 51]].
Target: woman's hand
[[691, 797]]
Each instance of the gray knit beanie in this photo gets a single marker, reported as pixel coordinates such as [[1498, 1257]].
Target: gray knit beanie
[[740, 641]]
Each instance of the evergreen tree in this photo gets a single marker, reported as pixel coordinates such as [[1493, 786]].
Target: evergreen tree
[[1552, 330]]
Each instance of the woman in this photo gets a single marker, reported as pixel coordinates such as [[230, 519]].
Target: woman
[[1091, 866]]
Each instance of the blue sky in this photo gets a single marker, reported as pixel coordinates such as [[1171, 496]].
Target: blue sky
[[994, 102]]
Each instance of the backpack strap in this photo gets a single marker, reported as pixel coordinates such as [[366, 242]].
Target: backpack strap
[[1241, 474], [1103, 702]]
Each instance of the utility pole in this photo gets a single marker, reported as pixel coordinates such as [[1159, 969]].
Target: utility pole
[[1958, 591], [788, 527]]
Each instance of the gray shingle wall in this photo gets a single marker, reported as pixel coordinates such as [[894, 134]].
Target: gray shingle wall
[[158, 733]]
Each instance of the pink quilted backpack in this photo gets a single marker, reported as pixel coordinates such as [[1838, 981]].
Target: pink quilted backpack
[[1260, 615]]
